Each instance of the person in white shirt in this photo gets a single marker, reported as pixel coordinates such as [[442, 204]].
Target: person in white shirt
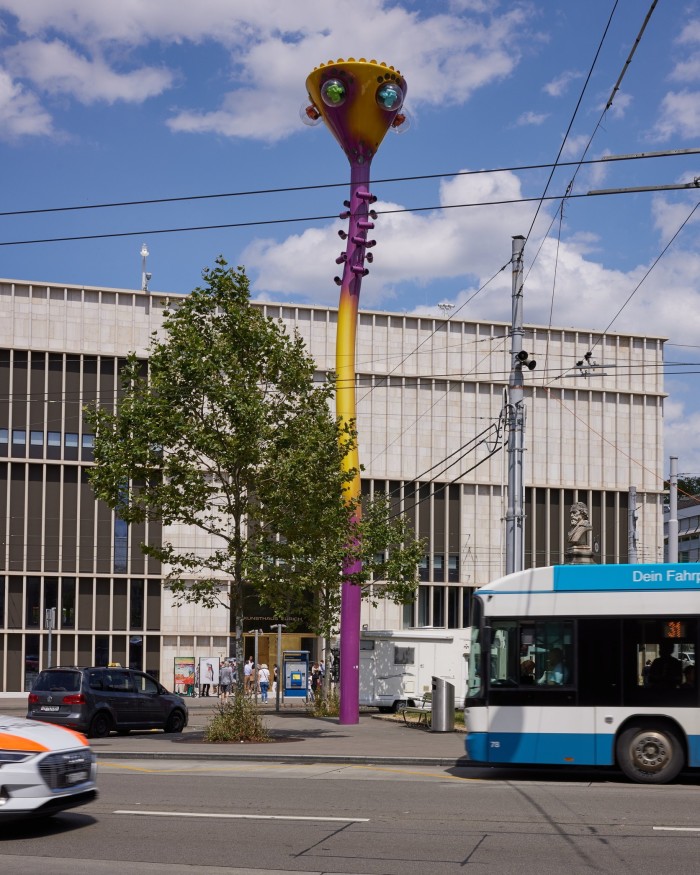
[[264, 681]]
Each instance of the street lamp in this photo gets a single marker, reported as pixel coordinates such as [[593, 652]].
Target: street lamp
[[278, 627]]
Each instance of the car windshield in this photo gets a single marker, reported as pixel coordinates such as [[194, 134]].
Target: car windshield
[[58, 681]]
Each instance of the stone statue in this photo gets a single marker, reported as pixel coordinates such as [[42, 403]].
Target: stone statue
[[579, 550]]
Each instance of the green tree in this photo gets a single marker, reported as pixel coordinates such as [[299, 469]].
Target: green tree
[[688, 486], [227, 431], [380, 539]]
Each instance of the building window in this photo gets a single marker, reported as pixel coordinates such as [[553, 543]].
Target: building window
[[121, 545], [53, 439], [423, 605], [424, 569], [88, 441], [3, 435], [19, 436], [71, 439], [453, 568], [33, 612], [136, 602], [438, 606], [68, 603], [36, 438]]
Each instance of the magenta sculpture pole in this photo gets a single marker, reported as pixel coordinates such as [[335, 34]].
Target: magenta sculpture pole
[[359, 101]]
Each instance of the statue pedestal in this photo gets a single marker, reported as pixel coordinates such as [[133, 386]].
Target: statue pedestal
[[580, 556]]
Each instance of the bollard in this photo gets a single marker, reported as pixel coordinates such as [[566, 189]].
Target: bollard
[[443, 706]]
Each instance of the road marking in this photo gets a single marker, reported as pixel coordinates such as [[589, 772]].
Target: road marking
[[243, 816], [678, 828]]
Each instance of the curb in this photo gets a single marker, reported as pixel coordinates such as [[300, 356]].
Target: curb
[[291, 759]]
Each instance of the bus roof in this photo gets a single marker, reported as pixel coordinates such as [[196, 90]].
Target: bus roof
[[652, 577], [595, 590]]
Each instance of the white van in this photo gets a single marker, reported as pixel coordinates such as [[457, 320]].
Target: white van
[[397, 666]]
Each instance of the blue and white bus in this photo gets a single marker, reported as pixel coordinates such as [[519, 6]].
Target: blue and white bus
[[590, 665]]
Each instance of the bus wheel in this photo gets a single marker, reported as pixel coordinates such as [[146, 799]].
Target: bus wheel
[[650, 754]]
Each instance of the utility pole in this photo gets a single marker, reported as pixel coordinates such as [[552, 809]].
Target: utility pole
[[515, 541], [673, 511], [632, 526], [278, 627]]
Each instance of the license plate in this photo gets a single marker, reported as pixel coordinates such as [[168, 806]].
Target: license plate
[[49, 708], [76, 777]]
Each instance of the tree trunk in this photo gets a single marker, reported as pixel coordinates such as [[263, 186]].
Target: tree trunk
[[237, 607]]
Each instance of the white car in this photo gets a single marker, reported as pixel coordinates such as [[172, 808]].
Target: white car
[[43, 769]]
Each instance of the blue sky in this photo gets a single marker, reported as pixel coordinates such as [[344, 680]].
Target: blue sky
[[104, 101]]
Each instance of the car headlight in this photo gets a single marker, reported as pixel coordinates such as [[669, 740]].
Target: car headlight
[[8, 757]]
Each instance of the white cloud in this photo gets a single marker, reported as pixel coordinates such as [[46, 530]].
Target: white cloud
[[470, 246], [680, 115], [687, 70], [414, 248], [273, 47], [690, 32], [574, 146], [668, 216], [20, 112], [681, 429], [620, 105], [55, 68], [560, 85], [532, 118]]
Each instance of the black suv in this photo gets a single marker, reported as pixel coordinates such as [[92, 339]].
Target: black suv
[[98, 700]]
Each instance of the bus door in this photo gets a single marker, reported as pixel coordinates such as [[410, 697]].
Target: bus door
[[600, 679]]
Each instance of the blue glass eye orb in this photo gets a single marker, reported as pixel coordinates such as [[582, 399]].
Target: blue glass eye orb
[[333, 92], [390, 96]]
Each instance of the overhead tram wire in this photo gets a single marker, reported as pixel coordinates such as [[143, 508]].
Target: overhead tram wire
[[604, 159], [573, 118], [582, 161], [649, 270], [294, 219]]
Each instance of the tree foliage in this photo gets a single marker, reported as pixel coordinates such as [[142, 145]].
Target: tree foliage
[[228, 431]]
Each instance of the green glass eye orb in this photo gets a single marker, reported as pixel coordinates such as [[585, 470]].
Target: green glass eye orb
[[333, 92], [390, 97]]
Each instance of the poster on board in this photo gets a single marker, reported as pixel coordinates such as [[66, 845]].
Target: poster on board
[[184, 675], [208, 671]]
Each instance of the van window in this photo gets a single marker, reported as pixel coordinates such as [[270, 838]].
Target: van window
[[58, 681], [118, 681], [145, 684], [404, 655]]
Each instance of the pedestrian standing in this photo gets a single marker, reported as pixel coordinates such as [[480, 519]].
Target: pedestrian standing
[[225, 681], [315, 680], [248, 675], [264, 681]]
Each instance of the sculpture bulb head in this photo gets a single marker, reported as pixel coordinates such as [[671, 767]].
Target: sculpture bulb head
[[359, 102]]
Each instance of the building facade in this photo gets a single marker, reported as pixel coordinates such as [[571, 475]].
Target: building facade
[[431, 397]]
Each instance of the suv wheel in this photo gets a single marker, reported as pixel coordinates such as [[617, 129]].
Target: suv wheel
[[101, 725], [176, 722]]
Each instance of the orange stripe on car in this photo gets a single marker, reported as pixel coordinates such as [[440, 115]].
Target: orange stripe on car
[[78, 735], [16, 742]]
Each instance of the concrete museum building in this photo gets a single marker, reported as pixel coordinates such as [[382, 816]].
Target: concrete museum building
[[430, 402]]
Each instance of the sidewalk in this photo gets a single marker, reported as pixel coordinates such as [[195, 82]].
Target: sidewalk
[[297, 737]]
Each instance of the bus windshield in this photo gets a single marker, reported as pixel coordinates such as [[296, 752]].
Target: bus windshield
[[474, 672]]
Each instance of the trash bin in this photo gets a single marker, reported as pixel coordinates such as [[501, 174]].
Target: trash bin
[[443, 706]]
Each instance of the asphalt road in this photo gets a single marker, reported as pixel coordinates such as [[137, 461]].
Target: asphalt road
[[201, 817]]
